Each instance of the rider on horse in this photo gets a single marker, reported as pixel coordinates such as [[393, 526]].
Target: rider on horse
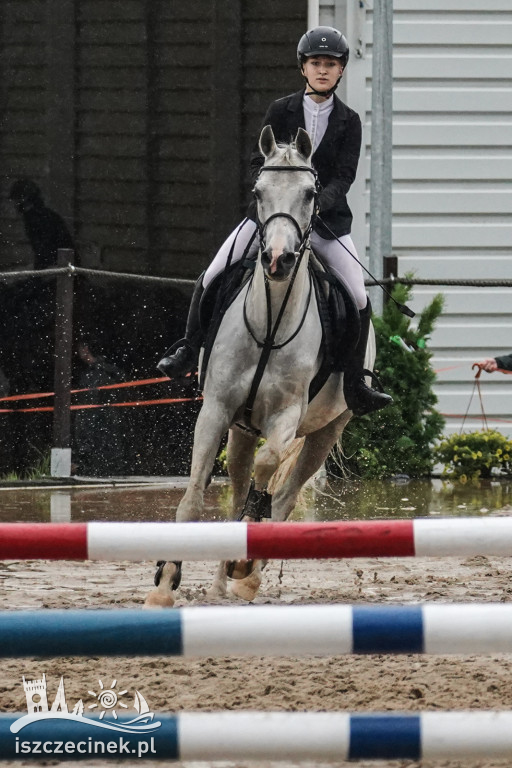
[[335, 132]]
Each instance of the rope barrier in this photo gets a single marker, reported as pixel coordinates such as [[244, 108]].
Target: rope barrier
[[118, 385], [110, 275], [49, 408], [162, 401], [71, 269]]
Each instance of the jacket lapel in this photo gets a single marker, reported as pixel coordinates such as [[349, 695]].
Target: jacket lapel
[[335, 126], [295, 114]]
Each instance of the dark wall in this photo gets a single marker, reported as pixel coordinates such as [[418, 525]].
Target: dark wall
[[137, 117]]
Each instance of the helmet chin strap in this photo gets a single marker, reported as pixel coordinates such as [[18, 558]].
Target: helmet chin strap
[[324, 94]]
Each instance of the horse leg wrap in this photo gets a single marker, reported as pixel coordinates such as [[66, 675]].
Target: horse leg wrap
[[231, 565], [176, 579], [257, 505]]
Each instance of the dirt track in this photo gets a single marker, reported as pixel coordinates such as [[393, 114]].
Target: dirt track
[[336, 683]]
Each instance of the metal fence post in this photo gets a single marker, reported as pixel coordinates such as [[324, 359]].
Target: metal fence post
[[381, 183], [61, 450]]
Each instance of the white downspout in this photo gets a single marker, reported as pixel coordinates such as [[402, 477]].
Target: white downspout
[[313, 13]]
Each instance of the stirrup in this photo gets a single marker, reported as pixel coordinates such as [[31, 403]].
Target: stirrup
[[375, 380], [367, 400], [165, 365]]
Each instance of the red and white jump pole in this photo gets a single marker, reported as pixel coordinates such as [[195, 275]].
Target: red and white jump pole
[[457, 537]]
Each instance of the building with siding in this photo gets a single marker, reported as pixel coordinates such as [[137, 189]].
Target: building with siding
[[452, 164]]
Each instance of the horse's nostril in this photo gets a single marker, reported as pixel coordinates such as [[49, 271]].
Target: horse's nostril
[[266, 257], [288, 259]]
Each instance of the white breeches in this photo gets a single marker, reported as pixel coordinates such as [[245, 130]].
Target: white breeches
[[332, 252]]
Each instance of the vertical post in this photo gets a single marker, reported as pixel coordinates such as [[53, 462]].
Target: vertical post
[[382, 144], [61, 450], [313, 13]]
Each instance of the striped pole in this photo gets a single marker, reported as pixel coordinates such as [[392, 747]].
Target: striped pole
[[319, 630], [458, 537], [262, 736]]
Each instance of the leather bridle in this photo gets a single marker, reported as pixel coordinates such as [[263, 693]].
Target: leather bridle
[[303, 236]]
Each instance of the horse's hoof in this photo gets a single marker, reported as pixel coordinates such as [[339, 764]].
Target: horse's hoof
[[157, 599], [162, 596], [216, 592], [247, 588]]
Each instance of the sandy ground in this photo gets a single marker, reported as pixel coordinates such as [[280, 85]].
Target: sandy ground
[[362, 683]]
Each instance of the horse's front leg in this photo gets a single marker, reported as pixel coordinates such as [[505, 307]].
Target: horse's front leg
[[281, 433], [212, 423], [240, 462]]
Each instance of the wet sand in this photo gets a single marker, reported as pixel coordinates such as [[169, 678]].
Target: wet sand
[[363, 683]]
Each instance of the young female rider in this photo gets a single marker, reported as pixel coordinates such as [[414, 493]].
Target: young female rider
[[335, 132]]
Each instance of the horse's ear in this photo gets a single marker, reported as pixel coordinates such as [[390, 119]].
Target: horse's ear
[[267, 141], [303, 143]]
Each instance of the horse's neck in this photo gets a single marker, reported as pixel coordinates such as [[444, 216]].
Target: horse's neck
[[257, 300]]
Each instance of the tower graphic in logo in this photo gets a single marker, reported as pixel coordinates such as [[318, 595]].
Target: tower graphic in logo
[[108, 699], [35, 691]]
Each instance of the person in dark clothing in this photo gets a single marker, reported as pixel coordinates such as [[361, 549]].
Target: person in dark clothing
[[98, 445], [335, 132], [491, 364], [44, 228]]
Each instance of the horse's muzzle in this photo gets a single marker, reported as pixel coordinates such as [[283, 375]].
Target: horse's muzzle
[[280, 268]]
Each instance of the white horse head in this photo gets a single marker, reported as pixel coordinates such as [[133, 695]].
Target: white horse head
[[285, 205]]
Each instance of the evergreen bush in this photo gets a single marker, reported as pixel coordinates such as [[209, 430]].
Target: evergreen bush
[[399, 439]]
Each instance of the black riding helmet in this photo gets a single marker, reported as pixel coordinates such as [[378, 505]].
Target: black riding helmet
[[323, 41]]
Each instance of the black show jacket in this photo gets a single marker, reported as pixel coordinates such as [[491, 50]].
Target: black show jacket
[[335, 158]]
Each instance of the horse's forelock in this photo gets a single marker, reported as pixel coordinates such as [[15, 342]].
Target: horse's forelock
[[287, 154]]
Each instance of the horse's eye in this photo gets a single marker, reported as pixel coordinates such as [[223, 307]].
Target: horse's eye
[[309, 195], [256, 193]]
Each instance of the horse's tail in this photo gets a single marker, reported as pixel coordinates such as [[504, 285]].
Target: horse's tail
[[286, 466]]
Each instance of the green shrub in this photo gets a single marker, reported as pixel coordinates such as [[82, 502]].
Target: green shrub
[[474, 455], [399, 439]]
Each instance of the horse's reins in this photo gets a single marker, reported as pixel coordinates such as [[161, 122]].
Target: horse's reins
[[267, 345]]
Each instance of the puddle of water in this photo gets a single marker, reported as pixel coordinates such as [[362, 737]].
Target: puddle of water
[[337, 501], [407, 499]]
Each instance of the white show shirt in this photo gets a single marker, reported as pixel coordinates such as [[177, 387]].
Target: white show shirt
[[316, 117]]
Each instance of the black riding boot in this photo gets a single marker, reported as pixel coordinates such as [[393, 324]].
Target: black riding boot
[[360, 398], [182, 357]]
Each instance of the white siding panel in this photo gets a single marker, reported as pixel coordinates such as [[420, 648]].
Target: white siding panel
[[452, 166], [446, 100], [440, 234], [462, 133], [477, 266], [458, 7], [459, 200], [490, 301], [440, 66], [464, 335], [484, 32], [469, 168]]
